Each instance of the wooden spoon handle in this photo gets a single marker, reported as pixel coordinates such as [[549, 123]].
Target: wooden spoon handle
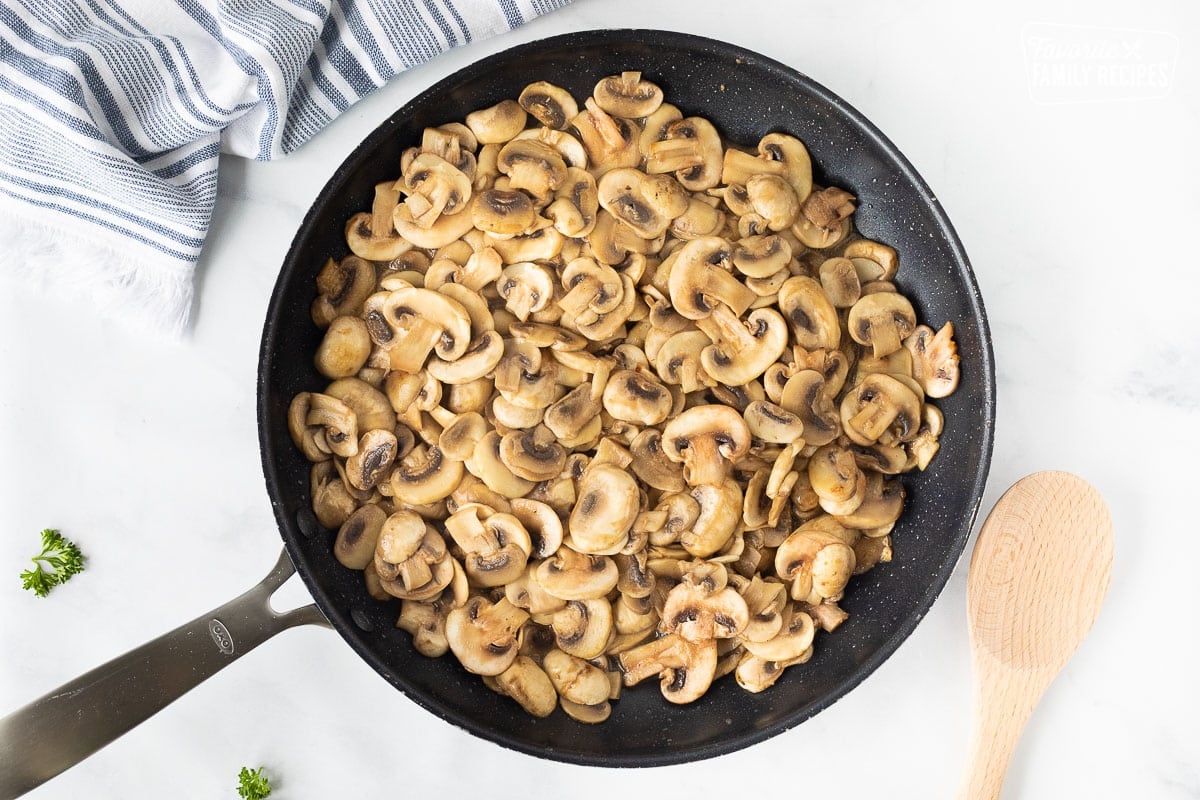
[[1004, 699]]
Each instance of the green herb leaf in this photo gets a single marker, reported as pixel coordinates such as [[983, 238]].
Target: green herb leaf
[[252, 784], [60, 555]]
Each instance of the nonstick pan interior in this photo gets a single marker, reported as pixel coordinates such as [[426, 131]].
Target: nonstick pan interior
[[745, 96]]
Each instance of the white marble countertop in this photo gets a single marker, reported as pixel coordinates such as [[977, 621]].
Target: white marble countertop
[[1073, 214]]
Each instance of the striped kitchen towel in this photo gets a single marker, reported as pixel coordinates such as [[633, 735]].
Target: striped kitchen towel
[[113, 113]]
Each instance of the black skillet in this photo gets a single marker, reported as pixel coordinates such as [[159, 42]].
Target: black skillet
[[746, 96]]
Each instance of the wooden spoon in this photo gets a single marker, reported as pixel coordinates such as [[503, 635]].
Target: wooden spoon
[[1038, 576]]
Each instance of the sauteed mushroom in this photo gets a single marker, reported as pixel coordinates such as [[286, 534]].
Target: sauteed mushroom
[[610, 398]]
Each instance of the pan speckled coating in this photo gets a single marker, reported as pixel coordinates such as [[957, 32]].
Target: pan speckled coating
[[746, 96]]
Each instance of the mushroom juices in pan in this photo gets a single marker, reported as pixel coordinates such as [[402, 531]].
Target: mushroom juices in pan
[[611, 399]]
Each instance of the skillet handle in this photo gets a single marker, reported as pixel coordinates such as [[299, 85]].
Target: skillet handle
[[75, 720]]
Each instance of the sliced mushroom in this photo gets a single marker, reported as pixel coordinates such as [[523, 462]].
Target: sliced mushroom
[[741, 350], [372, 236], [817, 564], [677, 361], [525, 682], [497, 124], [719, 510], [934, 359], [762, 256], [575, 679], [426, 623], [433, 187], [485, 463], [628, 95], [770, 423], [338, 421], [611, 142], [836, 478], [550, 105], [425, 476], [571, 575], [840, 280], [543, 524], [607, 504], [582, 628], [636, 397], [376, 451], [533, 454], [881, 321], [686, 669], [698, 610], [879, 509], [412, 322], [652, 465], [795, 636], [773, 198], [691, 149], [503, 212], [698, 284], [483, 635], [342, 287], [354, 547], [881, 409], [496, 547], [813, 319], [872, 261], [708, 440], [647, 204], [805, 395]]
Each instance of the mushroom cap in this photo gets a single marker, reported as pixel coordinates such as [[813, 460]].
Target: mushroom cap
[[607, 503], [816, 563], [575, 205], [636, 397], [805, 395], [344, 348], [342, 286], [425, 479], [881, 409], [882, 321], [582, 628], [483, 635], [742, 351], [497, 124], [697, 283], [646, 204], [708, 439], [628, 95], [652, 465], [934, 359], [533, 453], [813, 319], [370, 406], [699, 614], [774, 200], [550, 105], [795, 636], [571, 575]]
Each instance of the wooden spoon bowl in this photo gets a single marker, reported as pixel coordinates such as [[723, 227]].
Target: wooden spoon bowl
[[1039, 573]]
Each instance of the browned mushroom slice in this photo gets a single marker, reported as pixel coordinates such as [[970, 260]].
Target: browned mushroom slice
[[773, 198], [342, 286], [698, 283], [813, 319], [686, 669], [872, 261], [816, 564], [691, 149], [636, 397], [881, 321], [331, 500], [652, 465], [354, 547], [526, 682], [794, 636], [426, 623], [372, 236], [611, 142], [497, 124], [582, 628], [376, 452], [425, 476], [699, 609], [708, 440], [576, 201], [483, 635], [433, 187], [628, 95], [840, 280], [881, 409], [647, 204], [741, 350], [836, 478], [719, 510], [805, 395], [934, 359], [571, 575], [496, 548], [607, 504], [550, 105], [762, 256], [533, 454]]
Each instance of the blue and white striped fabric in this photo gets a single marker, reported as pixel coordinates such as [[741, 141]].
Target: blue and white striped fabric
[[113, 114]]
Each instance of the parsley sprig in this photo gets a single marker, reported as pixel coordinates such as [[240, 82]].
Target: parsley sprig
[[253, 784], [60, 555]]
